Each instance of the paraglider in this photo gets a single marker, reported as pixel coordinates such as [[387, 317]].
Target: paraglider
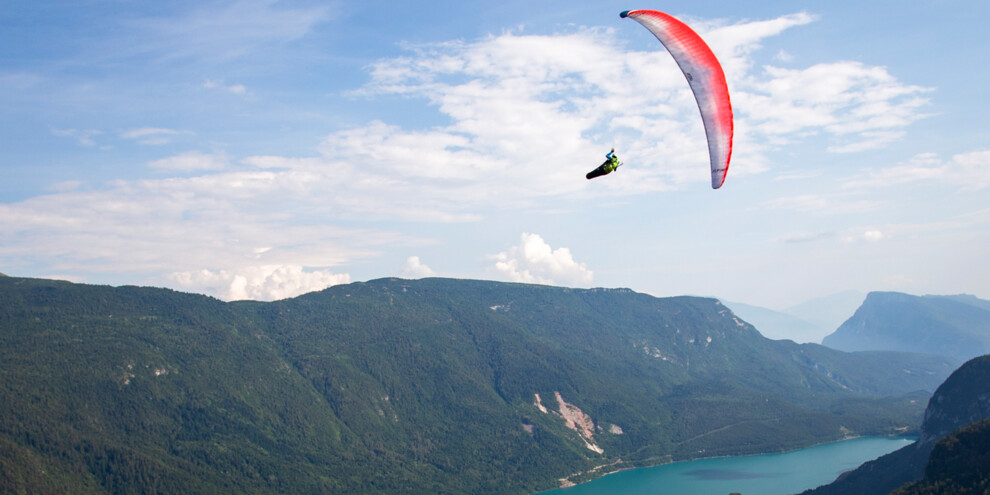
[[704, 75], [611, 163]]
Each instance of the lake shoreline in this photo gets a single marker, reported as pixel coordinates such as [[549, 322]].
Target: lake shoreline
[[597, 472]]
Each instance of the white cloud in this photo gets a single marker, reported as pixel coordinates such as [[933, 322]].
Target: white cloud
[[221, 31], [534, 261], [798, 175], [525, 119], [152, 227], [20, 80], [784, 56], [65, 185], [151, 136], [526, 102], [969, 171], [729, 42], [803, 237], [803, 203], [192, 161], [873, 235], [414, 268], [82, 136], [260, 283], [237, 89], [821, 204], [860, 107], [864, 235]]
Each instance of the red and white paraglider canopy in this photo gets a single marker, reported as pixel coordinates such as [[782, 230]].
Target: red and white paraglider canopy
[[704, 75]]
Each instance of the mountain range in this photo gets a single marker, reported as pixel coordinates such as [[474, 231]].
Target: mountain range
[[957, 326], [402, 386]]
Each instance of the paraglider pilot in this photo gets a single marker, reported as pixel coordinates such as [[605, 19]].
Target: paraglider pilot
[[611, 163]]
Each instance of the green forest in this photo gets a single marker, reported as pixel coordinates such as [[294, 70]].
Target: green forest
[[400, 386]]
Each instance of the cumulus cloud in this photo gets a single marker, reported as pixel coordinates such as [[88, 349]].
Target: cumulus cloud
[[260, 283], [534, 261], [414, 268]]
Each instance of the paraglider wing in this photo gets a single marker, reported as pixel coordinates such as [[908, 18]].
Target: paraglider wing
[[704, 75]]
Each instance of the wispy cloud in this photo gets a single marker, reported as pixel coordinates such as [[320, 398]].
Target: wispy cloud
[[733, 42], [237, 89], [527, 96], [19, 80], [821, 204], [224, 223], [152, 136], [525, 119], [868, 234], [798, 175], [85, 137], [192, 161], [220, 31], [783, 56], [853, 235], [970, 171], [803, 237], [858, 107]]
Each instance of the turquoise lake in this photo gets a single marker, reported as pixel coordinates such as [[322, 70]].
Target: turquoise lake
[[770, 474]]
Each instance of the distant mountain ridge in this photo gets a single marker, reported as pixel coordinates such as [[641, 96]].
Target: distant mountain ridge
[[828, 312], [963, 400], [777, 325], [957, 326], [426, 386], [808, 322]]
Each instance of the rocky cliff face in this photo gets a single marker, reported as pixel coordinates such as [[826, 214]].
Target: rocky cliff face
[[958, 464], [963, 399]]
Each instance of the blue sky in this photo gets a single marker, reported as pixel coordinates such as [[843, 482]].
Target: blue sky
[[263, 149]]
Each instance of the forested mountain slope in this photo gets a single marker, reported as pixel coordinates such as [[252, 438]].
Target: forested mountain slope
[[398, 386], [954, 426]]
